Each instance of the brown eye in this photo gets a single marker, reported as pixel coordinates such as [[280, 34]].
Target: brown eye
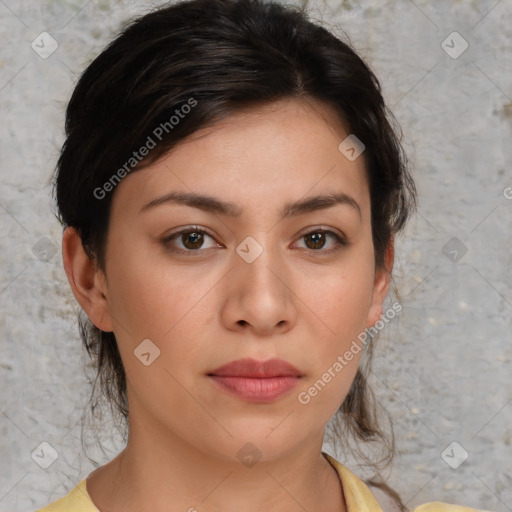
[[187, 241], [316, 241], [192, 239]]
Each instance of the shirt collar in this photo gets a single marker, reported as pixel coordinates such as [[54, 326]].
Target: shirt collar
[[357, 494]]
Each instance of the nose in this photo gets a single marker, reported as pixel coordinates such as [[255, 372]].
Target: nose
[[259, 295]]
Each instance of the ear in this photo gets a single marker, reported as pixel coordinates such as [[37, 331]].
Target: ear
[[87, 281], [381, 284]]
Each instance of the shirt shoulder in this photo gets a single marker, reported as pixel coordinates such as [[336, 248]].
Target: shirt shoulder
[[362, 498], [357, 493], [77, 500], [445, 507]]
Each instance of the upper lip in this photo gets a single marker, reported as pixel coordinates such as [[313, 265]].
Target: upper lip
[[257, 369]]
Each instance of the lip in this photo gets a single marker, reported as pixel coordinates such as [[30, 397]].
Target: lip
[[257, 381], [257, 369]]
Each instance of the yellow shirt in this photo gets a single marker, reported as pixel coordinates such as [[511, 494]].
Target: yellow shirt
[[357, 495]]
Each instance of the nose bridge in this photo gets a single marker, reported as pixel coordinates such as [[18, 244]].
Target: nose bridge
[[261, 278], [258, 296], [259, 260]]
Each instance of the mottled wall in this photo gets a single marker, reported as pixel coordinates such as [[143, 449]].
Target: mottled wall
[[442, 367]]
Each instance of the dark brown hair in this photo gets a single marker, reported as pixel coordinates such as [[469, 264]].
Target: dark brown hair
[[224, 55]]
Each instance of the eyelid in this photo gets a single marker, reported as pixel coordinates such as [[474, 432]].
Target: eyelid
[[339, 236], [320, 227], [167, 239]]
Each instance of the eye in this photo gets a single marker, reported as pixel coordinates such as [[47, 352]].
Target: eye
[[192, 239], [316, 240]]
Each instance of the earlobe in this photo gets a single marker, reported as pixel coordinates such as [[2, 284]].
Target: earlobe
[[381, 284], [86, 280]]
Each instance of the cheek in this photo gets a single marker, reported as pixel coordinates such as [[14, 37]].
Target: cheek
[[342, 297], [148, 298], [149, 302], [347, 302], [342, 303], [169, 305]]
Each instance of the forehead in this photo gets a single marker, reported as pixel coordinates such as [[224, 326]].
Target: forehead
[[262, 155]]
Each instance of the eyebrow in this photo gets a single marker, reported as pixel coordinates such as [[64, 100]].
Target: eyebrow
[[214, 205]]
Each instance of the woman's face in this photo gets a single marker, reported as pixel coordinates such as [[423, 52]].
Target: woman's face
[[257, 279]]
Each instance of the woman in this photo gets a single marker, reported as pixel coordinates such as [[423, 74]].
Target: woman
[[230, 189]]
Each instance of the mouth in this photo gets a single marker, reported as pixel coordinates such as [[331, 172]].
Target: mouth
[[256, 381]]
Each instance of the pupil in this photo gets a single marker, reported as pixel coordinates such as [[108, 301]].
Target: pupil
[[192, 237], [317, 239]]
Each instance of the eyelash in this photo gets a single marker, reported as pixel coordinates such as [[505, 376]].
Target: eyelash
[[166, 242]]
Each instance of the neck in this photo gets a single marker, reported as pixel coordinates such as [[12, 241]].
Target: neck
[[160, 472]]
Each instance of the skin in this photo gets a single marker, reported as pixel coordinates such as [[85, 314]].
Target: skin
[[295, 301]]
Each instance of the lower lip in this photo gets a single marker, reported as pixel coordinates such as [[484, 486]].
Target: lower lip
[[256, 389]]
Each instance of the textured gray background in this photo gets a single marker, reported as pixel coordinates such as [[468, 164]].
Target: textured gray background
[[442, 368]]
